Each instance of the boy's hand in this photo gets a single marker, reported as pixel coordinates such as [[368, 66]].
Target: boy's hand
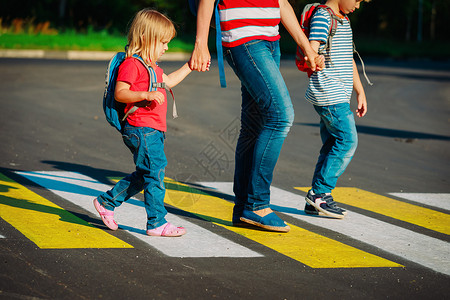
[[155, 96], [320, 62], [316, 64], [362, 105]]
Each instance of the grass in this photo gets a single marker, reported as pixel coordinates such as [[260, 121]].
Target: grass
[[103, 41], [93, 41]]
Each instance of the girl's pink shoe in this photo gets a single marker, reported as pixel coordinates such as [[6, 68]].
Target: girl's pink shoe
[[106, 215], [166, 230]]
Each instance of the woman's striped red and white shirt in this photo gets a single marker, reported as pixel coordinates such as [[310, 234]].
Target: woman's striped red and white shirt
[[245, 20]]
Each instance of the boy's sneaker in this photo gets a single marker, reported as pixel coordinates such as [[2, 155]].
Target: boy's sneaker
[[324, 203], [311, 210]]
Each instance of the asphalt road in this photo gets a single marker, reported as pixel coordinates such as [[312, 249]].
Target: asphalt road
[[52, 120]]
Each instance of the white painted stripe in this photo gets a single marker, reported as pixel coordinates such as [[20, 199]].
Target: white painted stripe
[[421, 249], [431, 199], [2, 237], [198, 242]]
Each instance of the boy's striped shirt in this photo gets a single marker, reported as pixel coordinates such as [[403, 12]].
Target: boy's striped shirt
[[246, 20], [334, 84]]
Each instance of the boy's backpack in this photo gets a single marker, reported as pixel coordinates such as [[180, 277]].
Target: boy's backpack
[[193, 5], [305, 23], [114, 110]]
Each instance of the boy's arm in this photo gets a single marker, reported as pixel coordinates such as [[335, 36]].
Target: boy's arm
[[290, 22], [201, 57], [360, 94], [177, 76], [123, 94]]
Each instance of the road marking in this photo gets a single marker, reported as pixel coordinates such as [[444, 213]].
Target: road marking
[[131, 216], [418, 248], [441, 201], [421, 249], [307, 247], [81, 190], [46, 224], [396, 209]]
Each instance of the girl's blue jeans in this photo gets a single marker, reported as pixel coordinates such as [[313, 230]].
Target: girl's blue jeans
[[147, 146], [340, 139], [266, 117]]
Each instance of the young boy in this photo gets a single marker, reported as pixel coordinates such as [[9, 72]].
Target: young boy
[[330, 91]]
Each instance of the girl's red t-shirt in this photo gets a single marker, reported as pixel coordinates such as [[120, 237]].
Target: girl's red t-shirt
[[133, 72]]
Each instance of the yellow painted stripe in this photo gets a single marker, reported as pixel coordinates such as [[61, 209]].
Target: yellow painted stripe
[[396, 209], [307, 247], [46, 224]]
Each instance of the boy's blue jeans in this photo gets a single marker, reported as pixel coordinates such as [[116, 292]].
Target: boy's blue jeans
[[147, 146], [266, 117], [340, 139]]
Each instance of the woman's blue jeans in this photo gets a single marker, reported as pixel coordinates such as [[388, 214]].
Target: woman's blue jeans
[[147, 146], [266, 117], [340, 139]]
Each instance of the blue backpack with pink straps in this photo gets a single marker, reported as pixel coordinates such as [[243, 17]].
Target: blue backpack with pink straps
[[114, 110]]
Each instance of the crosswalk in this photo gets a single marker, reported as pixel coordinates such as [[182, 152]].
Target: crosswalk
[[50, 226], [81, 190], [46, 224]]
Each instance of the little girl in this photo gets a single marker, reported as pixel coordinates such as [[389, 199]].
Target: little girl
[[143, 133]]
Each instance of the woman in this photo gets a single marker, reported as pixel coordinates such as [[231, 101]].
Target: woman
[[250, 41]]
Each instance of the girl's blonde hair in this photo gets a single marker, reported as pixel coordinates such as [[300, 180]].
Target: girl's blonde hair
[[148, 27]]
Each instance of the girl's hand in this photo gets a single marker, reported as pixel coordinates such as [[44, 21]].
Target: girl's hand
[[155, 96]]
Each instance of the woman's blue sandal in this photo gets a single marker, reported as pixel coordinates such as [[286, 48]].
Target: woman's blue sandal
[[270, 222]]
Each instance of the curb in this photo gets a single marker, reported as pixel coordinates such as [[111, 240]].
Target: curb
[[79, 55]]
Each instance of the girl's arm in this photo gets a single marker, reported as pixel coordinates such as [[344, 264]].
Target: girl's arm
[[201, 57], [360, 94], [290, 22], [123, 94], [177, 76]]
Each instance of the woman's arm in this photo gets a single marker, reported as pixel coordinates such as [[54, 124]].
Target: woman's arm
[[201, 57], [290, 22]]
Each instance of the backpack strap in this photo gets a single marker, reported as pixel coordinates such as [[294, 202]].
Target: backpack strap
[[153, 86], [333, 26], [334, 20], [223, 81], [363, 66], [163, 85]]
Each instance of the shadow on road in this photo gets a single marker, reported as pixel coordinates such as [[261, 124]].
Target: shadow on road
[[392, 133]]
